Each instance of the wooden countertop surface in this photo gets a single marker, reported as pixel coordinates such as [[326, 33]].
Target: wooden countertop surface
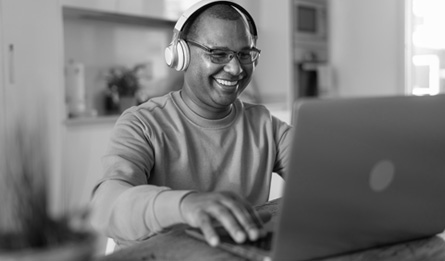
[[177, 245]]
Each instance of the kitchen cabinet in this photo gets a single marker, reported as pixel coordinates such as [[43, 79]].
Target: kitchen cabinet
[[2, 93], [31, 77]]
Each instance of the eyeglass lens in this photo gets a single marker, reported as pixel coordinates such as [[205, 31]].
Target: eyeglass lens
[[221, 56]]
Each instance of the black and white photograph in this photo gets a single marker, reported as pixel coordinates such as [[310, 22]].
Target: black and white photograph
[[222, 130]]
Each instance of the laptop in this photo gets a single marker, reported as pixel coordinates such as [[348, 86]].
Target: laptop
[[363, 173]]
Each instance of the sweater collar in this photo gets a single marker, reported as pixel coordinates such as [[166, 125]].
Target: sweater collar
[[204, 122]]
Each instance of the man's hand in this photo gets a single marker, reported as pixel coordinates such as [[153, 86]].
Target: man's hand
[[235, 215]]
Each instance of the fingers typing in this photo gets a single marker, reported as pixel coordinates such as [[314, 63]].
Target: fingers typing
[[236, 216]]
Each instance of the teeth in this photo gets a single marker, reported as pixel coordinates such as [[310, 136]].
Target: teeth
[[228, 83]]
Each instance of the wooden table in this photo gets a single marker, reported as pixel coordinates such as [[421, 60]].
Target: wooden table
[[176, 245]]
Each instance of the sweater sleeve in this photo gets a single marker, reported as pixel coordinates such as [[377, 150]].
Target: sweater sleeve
[[124, 206], [132, 213], [283, 144]]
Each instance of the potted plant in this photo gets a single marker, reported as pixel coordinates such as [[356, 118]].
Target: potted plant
[[28, 232], [122, 84]]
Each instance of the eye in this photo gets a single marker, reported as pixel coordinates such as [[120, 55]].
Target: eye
[[245, 56], [219, 54]]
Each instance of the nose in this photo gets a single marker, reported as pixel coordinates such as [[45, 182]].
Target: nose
[[234, 66]]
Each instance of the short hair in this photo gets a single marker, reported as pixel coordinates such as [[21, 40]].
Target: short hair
[[220, 11]]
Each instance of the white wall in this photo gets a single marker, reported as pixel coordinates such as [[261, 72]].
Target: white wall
[[367, 46], [273, 75]]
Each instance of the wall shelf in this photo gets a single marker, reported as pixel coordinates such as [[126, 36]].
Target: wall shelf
[[81, 121], [89, 14]]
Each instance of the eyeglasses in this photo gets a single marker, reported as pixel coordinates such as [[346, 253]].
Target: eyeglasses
[[222, 56]]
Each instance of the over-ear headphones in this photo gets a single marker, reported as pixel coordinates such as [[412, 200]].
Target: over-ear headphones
[[177, 54]]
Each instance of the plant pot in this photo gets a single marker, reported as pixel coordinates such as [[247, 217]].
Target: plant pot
[[81, 249]]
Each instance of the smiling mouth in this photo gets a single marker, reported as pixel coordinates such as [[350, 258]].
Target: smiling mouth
[[226, 83]]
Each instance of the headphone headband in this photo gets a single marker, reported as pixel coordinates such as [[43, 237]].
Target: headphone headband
[[197, 6]]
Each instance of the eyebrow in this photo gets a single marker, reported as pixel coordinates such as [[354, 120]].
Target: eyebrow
[[222, 48], [225, 48]]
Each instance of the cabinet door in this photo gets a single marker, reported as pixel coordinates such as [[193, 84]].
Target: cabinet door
[[2, 94], [31, 51], [31, 41]]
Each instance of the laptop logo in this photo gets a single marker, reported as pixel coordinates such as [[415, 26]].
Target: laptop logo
[[382, 175]]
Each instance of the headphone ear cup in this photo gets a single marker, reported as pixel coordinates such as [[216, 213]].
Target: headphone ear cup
[[183, 54], [169, 54]]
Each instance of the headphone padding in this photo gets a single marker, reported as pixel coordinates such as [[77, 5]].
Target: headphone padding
[[183, 55], [169, 55]]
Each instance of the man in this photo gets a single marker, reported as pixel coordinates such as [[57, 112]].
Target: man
[[199, 155]]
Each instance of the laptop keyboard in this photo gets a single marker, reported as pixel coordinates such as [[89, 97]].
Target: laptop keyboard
[[264, 243]]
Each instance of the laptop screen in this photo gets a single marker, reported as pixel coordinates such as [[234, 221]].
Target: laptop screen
[[364, 172]]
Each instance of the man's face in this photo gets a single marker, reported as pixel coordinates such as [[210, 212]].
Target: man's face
[[214, 87]]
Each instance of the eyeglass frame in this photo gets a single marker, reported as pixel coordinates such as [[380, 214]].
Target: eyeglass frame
[[227, 51]]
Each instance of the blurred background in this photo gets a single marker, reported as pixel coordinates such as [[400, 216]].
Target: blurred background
[[82, 62]]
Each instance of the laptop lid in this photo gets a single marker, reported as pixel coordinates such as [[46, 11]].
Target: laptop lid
[[364, 172]]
